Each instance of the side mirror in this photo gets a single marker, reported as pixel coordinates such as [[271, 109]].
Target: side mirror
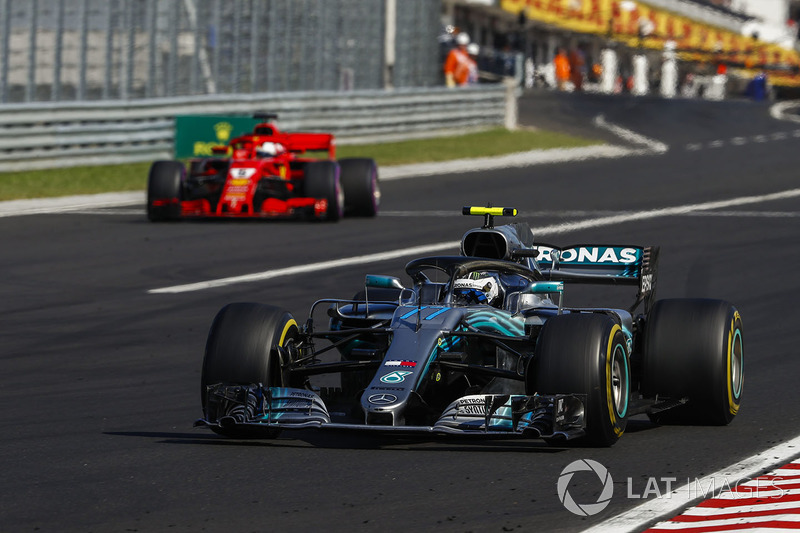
[[544, 287], [549, 288], [383, 282]]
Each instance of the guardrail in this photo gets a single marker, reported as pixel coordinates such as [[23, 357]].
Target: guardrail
[[50, 135]]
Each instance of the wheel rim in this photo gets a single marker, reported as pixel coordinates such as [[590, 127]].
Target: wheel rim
[[339, 198], [376, 192], [737, 363], [619, 380]]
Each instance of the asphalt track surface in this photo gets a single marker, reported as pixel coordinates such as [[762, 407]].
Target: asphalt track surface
[[100, 378]]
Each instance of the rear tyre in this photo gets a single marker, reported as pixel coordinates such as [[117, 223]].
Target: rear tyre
[[164, 186], [322, 181], [694, 348], [585, 354], [242, 350], [362, 193]]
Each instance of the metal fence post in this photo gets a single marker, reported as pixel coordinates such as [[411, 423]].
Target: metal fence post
[[152, 30], [6, 53], [55, 88], [30, 88], [511, 107], [254, 23], [237, 32], [83, 29], [109, 52], [390, 40]]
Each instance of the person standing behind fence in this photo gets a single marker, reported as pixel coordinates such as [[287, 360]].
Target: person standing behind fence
[[458, 65], [561, 63], [577, 62], [473, 50]]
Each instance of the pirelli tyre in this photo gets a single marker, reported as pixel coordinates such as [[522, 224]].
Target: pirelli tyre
[[693, 354], [322, 180], [242, 349], [362, 193], [586, 354], [164, 190]]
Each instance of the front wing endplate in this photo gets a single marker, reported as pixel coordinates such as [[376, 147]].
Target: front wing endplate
[[559, 416]]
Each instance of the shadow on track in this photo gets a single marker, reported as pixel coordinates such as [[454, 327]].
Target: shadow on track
[[331, 439]]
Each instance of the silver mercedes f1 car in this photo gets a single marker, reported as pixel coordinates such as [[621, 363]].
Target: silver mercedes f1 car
[[479, 344]]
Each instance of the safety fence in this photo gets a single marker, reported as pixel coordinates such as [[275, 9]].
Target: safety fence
[[50, 135], [76, 50]]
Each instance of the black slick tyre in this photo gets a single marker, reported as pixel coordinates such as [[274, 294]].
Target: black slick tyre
[[164, 187], [586, 354], [322, 181], [242, 349], [362, 193], [694, 350]]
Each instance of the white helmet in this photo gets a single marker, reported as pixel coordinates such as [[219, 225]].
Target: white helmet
[[485, 289], [462, 38], [269, 149]]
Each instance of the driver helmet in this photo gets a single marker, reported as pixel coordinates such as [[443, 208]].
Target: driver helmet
[[269, 149], [478, 288]]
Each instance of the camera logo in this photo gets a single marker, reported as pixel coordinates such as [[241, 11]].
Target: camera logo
[[586, 509]]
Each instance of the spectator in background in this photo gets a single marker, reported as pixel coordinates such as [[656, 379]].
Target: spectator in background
[[757, 87], [473, 50], [458, 64], [561, 63], [577, 63]]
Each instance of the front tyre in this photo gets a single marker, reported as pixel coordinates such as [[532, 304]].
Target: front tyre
[[362, 193], [242, 349], [322, 181], [694, 349], [585, 354], [164, 188]]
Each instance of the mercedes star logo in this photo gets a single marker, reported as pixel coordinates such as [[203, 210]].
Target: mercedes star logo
[[382, 399]]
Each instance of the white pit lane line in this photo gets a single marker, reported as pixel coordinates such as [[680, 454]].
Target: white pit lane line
[[553, 229]]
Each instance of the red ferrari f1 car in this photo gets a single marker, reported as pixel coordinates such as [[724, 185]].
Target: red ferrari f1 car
[[265, 174]]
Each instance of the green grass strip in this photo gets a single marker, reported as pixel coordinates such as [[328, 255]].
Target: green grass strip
[[133, 176], [488, 143]]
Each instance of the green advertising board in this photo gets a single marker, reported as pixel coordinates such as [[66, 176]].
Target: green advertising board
[[195, 135]]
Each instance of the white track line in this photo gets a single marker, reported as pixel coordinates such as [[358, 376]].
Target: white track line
[[451, 245], [65, 204], [567, 213], [303, 269], [652, 145], [515, 160], [637, 518]]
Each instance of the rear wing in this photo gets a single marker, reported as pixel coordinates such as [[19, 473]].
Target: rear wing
[[297, 143], [603, 264], [309, 142]]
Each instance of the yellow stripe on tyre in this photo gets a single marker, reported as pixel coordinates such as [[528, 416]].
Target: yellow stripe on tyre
[[734, 340], [612, 410], [286, 329]]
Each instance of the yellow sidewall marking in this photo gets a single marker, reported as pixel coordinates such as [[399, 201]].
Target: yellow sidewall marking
[[286, 329], [612, 410], [733, 406]]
